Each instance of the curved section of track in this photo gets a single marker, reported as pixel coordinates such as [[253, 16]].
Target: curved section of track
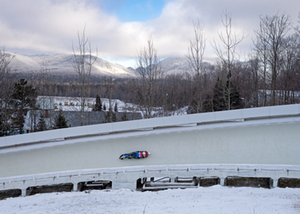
[[271, 141]]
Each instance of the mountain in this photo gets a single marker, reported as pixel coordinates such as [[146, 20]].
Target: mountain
[[175, 65], [179, 65], [62, 64]]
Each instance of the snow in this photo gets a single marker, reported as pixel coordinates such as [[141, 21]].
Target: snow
[[204, 200], [73, 104], [63, 63]]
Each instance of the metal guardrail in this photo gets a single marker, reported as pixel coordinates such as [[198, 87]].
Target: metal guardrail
[[211, 117]]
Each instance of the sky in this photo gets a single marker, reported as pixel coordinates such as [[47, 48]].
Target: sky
[[118, 29]]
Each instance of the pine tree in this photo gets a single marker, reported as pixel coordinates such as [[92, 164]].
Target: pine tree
[[116, 107], [221, 94], [192, 109], [98, 105], [114, 116], [60, 121], [124, 116], [207, 104], [41, 126], [24, 99], [235, 99], [108, 117], [2, 124], [5, 125], [218, 97]]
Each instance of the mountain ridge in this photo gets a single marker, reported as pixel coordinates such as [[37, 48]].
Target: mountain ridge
[[63, 64]]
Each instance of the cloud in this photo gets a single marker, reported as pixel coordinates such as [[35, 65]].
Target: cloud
[[51, 26]]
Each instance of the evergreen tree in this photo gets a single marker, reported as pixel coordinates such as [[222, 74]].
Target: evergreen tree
[[24, 99], [98, 105], [221, 96], [218, 97], [60, 121], [108, 117], [124, 116], [235, 99], [114, 116], [116, 107], [41, 126], [207, 104], [5, 125], [192, 109], [1, 124]]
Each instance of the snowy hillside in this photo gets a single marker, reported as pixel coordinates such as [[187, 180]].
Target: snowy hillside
[[63, 64], [175, 65], [178, 65]]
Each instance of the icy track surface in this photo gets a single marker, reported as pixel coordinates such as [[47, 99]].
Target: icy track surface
[[210, 200]]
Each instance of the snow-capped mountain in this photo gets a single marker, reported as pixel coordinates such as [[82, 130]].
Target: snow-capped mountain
[[63, 64], [174, 65], [179, 65]]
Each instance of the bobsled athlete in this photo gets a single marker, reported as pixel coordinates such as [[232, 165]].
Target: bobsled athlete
[[135, 155]]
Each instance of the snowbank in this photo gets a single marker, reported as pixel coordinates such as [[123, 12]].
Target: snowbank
[[209, 200]]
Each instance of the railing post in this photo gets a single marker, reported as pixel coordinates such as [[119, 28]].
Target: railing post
[[275, 182], [222, 181], [75, 186], [23, 192]]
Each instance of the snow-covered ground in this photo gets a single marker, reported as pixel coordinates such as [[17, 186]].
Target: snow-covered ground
[[205, 200], [73, 104]]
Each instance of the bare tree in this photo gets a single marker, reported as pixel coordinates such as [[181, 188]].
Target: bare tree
[[248, 81], [297, 28], [270, 45], [110, 86], [290, 65], [45, 103], [261, 49], [5, 72], [5, 60], [195, 55], [83, 64], [6, 91], [254, 70], [149, 72], [227, 54]]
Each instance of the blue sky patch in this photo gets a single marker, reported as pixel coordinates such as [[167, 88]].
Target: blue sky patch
[[133, 10]]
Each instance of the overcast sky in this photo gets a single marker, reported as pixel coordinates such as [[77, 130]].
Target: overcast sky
[[119, 28]]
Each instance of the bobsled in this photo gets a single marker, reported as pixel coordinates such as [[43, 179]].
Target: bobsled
[[135, 155]]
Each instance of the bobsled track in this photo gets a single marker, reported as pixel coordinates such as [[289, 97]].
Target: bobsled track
[[259, 145]]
